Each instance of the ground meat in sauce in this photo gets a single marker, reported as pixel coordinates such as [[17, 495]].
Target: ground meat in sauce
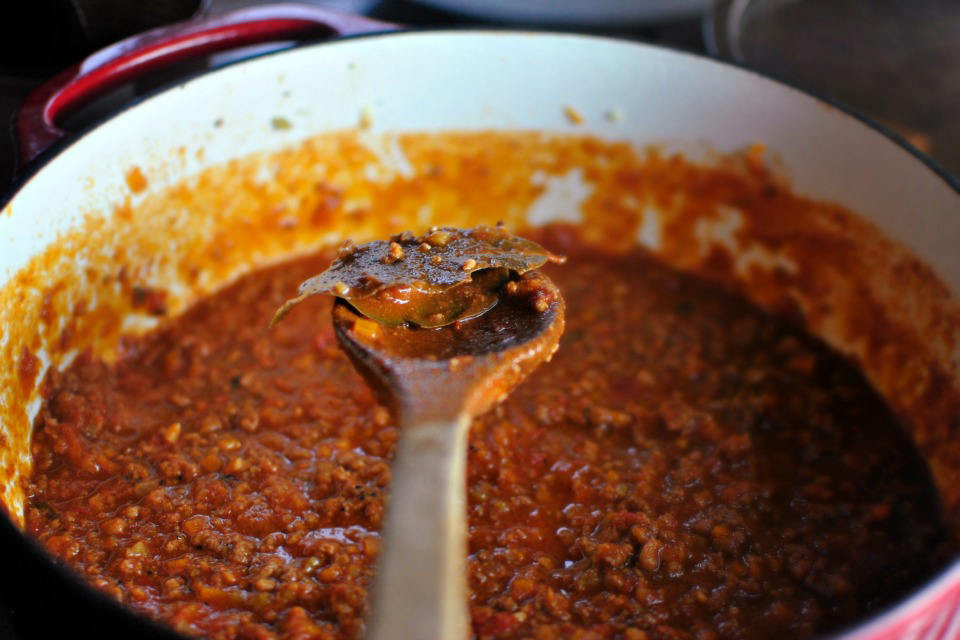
[[685, 467]]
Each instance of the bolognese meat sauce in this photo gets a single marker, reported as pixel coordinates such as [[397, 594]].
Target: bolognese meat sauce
[[685, 467]]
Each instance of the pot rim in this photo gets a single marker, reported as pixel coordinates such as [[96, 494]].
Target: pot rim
[[865, 629], [63, 144]]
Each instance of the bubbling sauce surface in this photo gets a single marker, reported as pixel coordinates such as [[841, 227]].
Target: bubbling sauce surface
[[685, 467]]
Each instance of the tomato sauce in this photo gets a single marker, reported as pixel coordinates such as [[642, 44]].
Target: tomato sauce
[[685, 467]]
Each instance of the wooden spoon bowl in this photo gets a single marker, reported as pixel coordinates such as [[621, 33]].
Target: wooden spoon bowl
[[436, 381]]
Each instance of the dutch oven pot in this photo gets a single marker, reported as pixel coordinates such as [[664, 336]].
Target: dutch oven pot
[[442, 81]]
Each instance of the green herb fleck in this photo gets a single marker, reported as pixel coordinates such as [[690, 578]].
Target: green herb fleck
[[280, 123]]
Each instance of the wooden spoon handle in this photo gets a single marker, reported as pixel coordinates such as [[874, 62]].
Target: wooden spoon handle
[[420, 592]]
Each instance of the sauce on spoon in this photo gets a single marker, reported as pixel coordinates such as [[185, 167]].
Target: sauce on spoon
[[499, 321]]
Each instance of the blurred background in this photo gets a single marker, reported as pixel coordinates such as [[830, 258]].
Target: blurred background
[[39, 38], [895, 61]]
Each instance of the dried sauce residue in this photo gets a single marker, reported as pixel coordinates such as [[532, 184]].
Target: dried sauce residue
[[27, 369], [136, 180]]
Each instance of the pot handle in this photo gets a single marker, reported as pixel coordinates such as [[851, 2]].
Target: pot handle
[[65, 93]]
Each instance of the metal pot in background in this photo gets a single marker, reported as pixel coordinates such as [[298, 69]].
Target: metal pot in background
[[891, 60]]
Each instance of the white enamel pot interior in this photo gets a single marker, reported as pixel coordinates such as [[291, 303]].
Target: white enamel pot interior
[[504, 81]]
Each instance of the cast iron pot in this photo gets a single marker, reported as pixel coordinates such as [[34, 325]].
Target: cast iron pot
[[441, 81]]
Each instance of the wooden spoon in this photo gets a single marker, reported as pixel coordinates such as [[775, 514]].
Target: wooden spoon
[[435, 381]]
